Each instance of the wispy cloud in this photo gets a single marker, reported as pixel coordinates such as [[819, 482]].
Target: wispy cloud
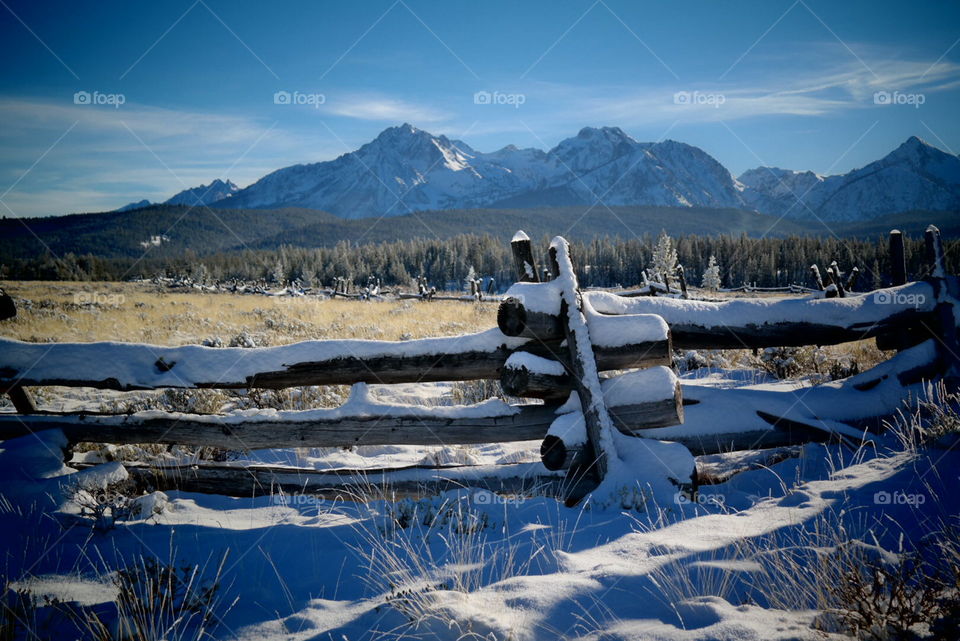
[[385, 109]]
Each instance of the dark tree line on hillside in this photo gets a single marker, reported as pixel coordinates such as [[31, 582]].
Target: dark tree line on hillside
[[603, 262]]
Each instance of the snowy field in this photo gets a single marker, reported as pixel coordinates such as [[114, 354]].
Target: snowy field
[[811, 542]]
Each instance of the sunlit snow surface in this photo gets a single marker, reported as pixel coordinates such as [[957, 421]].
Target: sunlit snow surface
[[295, 563]]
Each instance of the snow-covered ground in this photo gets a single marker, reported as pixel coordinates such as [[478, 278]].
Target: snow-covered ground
[[471, 565]]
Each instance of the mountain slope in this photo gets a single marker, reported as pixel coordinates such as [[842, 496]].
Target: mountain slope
[[915, 176]]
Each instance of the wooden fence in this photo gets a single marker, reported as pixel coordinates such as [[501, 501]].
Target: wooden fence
[[552, 339]]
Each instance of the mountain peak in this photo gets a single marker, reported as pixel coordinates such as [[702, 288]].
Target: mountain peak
[[218, 189], [603, 132]]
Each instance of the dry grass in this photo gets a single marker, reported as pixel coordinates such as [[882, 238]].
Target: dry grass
[[135, 312]]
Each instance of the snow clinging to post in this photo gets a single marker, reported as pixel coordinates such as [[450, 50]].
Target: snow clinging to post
[[566, 283]]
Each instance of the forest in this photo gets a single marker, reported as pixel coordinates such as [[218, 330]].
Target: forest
[[602, 261]]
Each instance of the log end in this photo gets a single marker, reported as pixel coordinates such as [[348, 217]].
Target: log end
[[511, 317]]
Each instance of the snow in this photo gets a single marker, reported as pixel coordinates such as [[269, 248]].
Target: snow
[[631, 388], [297, 564], [134, 365], [853, 311], [536, 364], [569, 428], [519, 236]]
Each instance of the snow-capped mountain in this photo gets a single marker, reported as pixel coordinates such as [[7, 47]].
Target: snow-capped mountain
[[916, 175], [407, 169], [204, 194]]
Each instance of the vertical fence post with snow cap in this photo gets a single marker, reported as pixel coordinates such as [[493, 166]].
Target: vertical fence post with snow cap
[[898, 263], [599, 447], [523, 258], [817, 279]]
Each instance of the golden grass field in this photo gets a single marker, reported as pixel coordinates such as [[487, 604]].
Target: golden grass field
[[145, 313]]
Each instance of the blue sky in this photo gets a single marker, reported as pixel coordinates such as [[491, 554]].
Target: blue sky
[[790, 84]]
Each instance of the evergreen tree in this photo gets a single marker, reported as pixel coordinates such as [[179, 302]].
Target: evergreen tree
[[711, 275], [664, 256]]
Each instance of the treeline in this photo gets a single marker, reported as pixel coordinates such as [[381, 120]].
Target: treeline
[[602, 262]]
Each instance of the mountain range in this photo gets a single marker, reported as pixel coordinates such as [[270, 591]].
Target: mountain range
[[216, 191], [406, 169]]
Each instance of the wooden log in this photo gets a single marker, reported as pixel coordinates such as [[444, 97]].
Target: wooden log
[[308, 487], [898, 263], [520, 381], [746, 332], [390, 427], [22, 400], [448, 361], [523, 258], [557, 455]]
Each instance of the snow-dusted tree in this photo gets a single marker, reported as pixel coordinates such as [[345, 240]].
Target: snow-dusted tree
[[201, 274], [711, 275], [471, 276], [664, 256], [279, 272]]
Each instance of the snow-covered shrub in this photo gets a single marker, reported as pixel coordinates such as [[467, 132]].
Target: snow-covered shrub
[[928, 421], [159, 600], [470, 392], [859, 587], [782, 362], [107, 506], [243, 339], [692, 359]]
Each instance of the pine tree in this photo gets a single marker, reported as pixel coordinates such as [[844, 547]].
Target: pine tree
[[711, 275], [664, 256]]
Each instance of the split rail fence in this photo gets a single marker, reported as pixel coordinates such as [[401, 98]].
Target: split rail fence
[[552, 339]]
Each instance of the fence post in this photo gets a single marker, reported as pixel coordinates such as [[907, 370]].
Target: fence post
[[835, 271], [683, 281], [934, 247], [898, 263], [817, 279], [852, 280], [586, 380], [523, 258]]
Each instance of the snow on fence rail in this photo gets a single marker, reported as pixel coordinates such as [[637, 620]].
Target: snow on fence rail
[[551, 343]]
